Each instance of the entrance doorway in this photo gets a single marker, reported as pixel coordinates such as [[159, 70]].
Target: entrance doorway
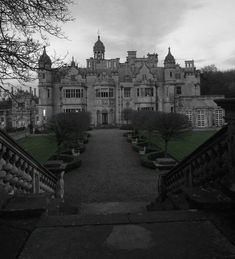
[[104, 118]]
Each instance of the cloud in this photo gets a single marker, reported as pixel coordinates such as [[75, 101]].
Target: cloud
[[199, 29], [124, 24]]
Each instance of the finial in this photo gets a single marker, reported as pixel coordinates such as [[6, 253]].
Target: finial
[[169, 49], [44, 49], [72, 63], [98, 34]]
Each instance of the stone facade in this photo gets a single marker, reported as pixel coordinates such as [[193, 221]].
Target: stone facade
[[19, 111], [106, 86]]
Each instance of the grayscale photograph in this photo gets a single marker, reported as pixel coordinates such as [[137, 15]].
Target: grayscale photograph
[[117, 129]]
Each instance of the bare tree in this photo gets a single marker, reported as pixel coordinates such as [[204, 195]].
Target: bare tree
[[24, 28], [209, 69], [171, 125], [68, 127]]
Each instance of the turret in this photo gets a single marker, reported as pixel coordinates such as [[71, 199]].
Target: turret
[[44, 61], [99, 49], [169, 61]]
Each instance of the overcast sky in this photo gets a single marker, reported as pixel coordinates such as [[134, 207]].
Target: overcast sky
[[203, 30]]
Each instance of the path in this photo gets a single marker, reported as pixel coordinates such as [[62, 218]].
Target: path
[[110, 172]]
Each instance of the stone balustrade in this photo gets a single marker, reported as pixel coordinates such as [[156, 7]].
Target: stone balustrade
[[212, 163], [206, 164], [20, 172]]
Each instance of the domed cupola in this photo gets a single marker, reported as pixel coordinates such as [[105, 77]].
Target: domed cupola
[[169, 59], [99, 49], [44, 60]]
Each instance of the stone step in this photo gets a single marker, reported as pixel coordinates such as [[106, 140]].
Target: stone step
[[122, 218], [208, 198], [34, 205], [104, 208], [179, 201], [158, 205], [26, 205]]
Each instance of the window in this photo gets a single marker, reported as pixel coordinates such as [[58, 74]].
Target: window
[[188, 113], [144, 92], [73, 93], [201, 118], [77, 93], [72, 110], [48, 93], [178, 90], [170, 74], [67, 93], [43, 76], [148, 92], [110, 92], [104, 92], [219, 118], [146, 108], [127, 92]]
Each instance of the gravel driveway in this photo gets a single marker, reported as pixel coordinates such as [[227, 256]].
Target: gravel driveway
[[110, 172]]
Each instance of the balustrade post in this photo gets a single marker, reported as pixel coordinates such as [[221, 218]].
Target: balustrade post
[[189, 176], [36, 182], [228, 105]]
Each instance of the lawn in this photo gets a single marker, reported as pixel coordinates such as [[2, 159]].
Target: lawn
[[179, 148], [40, 147]]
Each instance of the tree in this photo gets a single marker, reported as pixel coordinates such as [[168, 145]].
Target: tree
[[218, 83], [138, 120], [24, 28], [209, 68], [127, 114], [68, 127], [171, 125], [149, 123]]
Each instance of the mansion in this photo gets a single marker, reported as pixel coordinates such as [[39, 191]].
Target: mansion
[[106, 87]]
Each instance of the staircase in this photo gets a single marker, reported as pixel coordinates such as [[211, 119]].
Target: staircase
[[205, 179], [191, 218]]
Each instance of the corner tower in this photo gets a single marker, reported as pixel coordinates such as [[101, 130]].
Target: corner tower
[[45, 106]]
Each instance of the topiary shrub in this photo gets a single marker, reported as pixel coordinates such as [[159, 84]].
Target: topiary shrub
[[139, 146], [148, 159], [71, 162]]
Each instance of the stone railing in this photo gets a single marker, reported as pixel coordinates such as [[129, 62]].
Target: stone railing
[[20, 172], [211, 163], [206, 164]]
